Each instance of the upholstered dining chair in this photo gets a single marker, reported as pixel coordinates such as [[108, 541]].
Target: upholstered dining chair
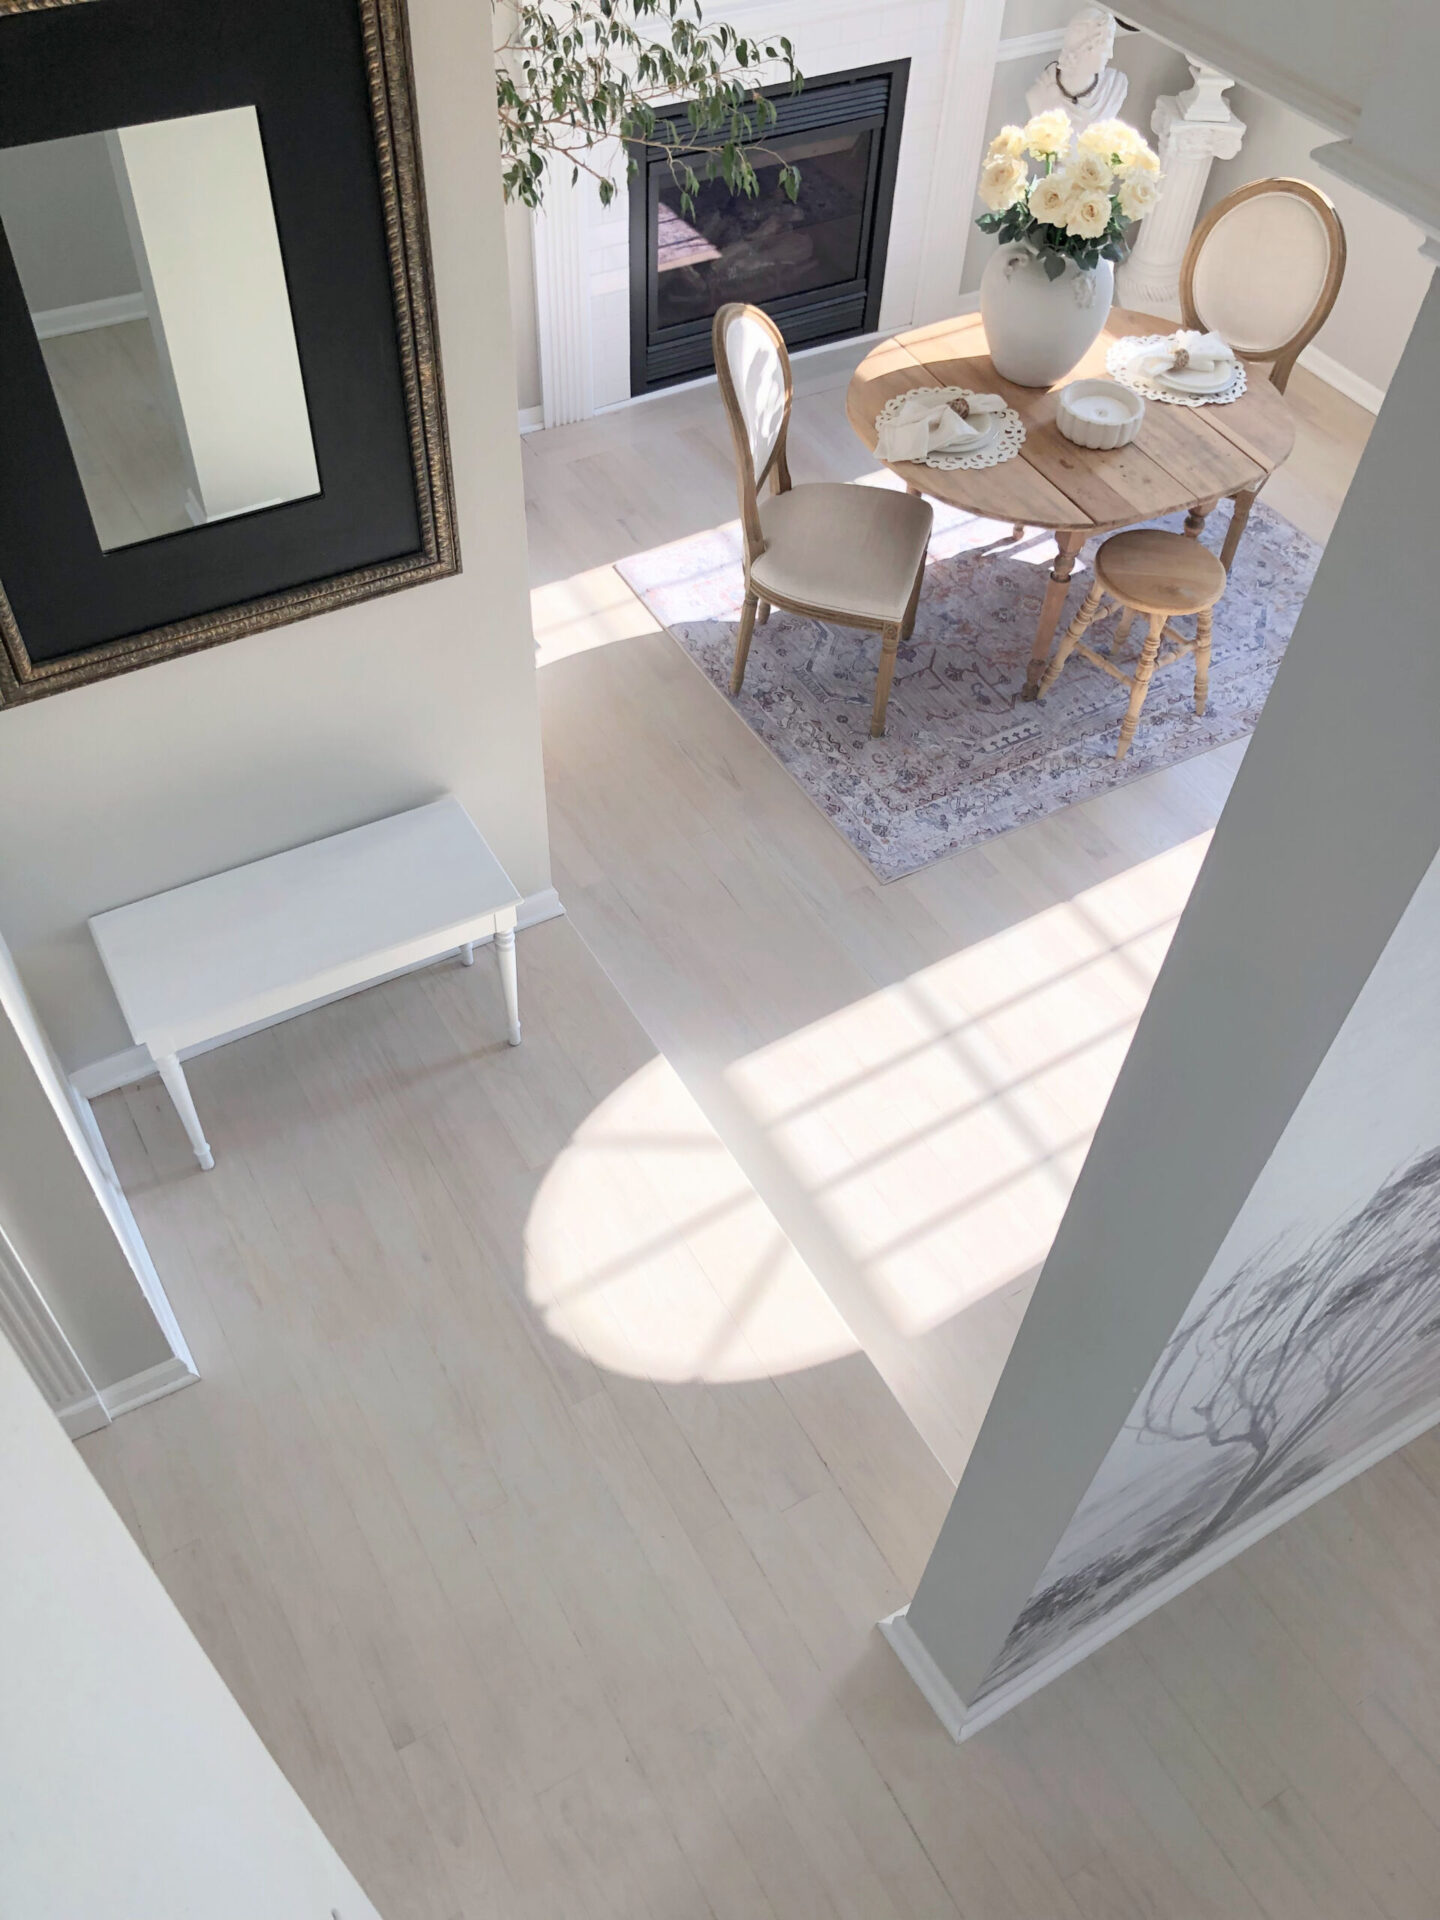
[[1263, 269], [854, 555]]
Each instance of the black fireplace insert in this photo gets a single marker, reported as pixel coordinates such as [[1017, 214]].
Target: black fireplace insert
[[816, 265]]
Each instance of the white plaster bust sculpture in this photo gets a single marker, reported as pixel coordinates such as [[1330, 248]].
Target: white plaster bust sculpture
[[1081, 80]]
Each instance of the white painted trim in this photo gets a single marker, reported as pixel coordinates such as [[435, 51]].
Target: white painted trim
[[914, 1656], [86, 315], [38, 1337], [130, 1064], [1031, 46], [99, 1408], [531, 419], [562, 300], [960, 1723], [1342, 379], [971, 52]]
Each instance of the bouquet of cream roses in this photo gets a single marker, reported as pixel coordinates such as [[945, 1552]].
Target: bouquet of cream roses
[[1085, 195]]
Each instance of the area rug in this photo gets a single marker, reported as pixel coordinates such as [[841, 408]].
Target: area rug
[[963, 757]]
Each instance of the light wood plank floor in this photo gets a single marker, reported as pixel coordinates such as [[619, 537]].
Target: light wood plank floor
[[536, 1512], [111, 396], [910, 1074]]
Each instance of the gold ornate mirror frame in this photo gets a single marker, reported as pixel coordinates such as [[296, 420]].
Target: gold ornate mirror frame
[[386, 42]]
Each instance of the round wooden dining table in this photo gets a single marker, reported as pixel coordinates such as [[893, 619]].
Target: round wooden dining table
[[1183, 457]]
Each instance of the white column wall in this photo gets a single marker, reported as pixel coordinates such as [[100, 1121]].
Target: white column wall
[[1332, 824]]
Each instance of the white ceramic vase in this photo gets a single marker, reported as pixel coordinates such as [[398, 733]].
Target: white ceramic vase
[[1036, 327]]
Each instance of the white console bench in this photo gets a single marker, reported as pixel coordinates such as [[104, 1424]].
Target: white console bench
[[251, 945]]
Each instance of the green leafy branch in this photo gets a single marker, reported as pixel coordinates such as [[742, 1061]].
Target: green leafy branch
[[571, 75]]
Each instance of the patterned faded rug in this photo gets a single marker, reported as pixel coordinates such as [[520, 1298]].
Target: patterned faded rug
[[963, 757]]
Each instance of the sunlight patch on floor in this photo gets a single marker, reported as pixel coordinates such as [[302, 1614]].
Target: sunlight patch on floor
[[587, 611], [939, 1124], [648, 1250]]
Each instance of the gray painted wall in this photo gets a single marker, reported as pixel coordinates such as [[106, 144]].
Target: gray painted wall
[[1313, 1337], [119, 790], [62, 216], [1332, 824]]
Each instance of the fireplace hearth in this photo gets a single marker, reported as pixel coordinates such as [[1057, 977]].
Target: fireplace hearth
[[817, 265]]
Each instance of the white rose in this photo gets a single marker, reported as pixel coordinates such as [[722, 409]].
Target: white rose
[[1088, 216], [1088, 173], [1003, 181], [1138, 194], [1009, 143], [1112, 139], [1048, 132], [1050, 200], [1142, 159]]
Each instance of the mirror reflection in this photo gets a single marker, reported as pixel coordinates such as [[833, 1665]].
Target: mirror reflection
[[151, 268]]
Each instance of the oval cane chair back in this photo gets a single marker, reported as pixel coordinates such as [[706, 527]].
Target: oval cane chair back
[[1263, 269], [754, 372]]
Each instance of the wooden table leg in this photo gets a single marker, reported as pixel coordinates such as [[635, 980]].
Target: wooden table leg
[[1195, 519], [1069, 545]]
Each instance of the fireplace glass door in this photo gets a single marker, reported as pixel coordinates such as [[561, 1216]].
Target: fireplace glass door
[[815, 264]]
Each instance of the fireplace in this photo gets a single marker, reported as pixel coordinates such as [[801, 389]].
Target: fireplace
[[817, 266]]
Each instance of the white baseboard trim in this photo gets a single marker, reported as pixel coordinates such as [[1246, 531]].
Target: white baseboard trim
[[961, 1722], [124, 1068], [532, 419], [914, 1656], [98, 1409], [87, 315], [1371, 397]]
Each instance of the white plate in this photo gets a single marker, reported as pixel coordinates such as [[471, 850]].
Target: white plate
[[1197, 381]]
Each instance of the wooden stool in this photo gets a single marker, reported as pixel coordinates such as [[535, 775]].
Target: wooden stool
[[1161, 575]]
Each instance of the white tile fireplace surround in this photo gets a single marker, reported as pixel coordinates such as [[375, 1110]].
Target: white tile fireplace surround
[[582, 251]]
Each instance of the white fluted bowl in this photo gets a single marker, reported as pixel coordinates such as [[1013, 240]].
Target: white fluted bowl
[[1099, 413]]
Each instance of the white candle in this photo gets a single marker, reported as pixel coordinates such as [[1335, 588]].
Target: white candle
[[1103, 408]]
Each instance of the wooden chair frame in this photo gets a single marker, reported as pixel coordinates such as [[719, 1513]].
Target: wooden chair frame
[[1280, 358], [756, 610]]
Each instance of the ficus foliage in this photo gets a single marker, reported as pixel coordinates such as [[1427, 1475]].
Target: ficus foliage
[[571, 75]]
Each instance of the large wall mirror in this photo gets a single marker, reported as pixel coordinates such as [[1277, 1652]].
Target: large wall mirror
[[223, 405]]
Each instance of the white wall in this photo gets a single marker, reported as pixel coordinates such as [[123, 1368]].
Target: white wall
[[197, 199], [130, 1782], [1385, 277], [62, 217], [115, 791]]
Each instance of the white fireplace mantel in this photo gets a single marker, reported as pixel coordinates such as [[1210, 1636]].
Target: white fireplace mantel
[[582, 250]]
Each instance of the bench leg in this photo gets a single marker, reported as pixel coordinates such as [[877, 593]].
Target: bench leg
[[467, 954], [173, 1075], [505, 953]]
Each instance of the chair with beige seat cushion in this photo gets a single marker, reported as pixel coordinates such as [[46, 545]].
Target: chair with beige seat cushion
[[854, 555], [1263, 269], [1162, 575]]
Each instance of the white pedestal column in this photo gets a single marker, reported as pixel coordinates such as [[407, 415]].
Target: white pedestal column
[[1193, 129]]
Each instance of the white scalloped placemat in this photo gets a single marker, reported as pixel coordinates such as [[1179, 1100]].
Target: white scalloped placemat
[[1119, 364], [1008, 440]]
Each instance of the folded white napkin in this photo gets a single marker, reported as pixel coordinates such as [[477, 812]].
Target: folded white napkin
[[1188, 352], [926, 423]]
